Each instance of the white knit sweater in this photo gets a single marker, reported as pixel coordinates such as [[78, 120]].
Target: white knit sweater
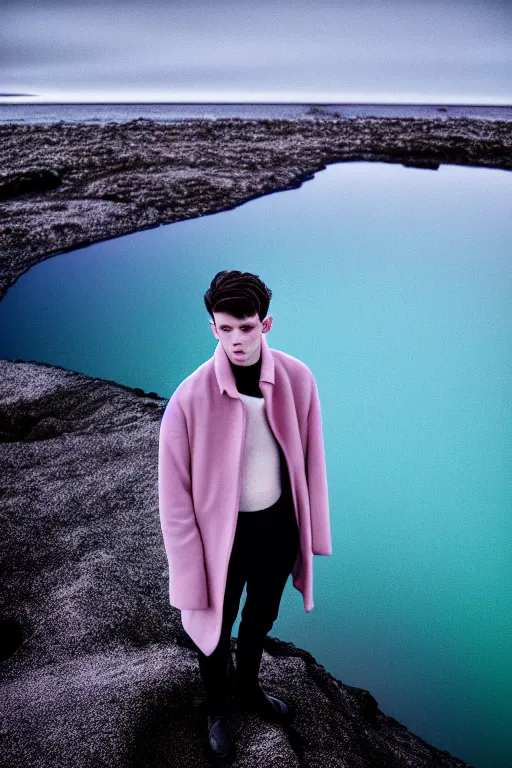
[[261, 470]]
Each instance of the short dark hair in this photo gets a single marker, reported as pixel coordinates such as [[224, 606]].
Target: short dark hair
[[240, 294]]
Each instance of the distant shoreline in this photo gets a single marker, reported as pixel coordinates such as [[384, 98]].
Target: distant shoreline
[[67, 185], [33, 112], [263, 103]]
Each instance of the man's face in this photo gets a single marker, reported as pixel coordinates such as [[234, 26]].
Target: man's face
[[240, 335]]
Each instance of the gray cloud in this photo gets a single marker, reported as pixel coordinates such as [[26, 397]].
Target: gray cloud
[[302, 46]]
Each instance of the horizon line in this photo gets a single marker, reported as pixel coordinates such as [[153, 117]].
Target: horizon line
[[260, 103]]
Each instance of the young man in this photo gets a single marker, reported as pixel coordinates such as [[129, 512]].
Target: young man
[[242, 494]]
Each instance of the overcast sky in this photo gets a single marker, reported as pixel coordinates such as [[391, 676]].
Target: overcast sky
[[302, 50]]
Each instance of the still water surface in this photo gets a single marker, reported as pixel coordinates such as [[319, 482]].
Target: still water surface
[[394, 286]]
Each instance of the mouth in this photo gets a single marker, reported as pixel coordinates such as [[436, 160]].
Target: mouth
[[238, 352]]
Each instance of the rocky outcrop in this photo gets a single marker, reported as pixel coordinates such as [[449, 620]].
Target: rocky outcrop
[[27, 182], [97, 669], [67, 185]]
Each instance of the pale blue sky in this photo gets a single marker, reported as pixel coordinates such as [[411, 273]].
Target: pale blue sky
[[306, 50]]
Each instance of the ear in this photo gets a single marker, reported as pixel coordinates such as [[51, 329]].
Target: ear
[[214, 330]]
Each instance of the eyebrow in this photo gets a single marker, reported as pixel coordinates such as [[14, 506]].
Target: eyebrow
[[242, 325]]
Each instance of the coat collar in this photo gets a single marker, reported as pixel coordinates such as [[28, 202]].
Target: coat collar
[[225, 376]]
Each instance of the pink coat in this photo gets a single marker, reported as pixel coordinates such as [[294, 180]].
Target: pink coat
[[199, 480]]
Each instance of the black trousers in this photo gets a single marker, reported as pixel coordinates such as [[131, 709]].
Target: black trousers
[[264, 550]]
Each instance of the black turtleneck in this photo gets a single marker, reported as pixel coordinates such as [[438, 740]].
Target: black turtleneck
[[247, 378]]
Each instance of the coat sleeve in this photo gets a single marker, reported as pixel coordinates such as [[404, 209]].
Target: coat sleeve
[[188, 589], [316, 473]]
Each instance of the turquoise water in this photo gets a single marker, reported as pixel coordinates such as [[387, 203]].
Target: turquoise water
[[394, 285]]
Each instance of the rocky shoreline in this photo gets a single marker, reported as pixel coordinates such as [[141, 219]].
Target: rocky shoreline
[[96, 667], [67, 185], [100, 671]]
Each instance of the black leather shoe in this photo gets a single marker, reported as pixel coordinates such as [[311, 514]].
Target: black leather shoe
[[220, 738], [269, 707]]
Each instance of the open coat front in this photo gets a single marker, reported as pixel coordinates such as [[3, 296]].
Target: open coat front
[[201, 441]]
